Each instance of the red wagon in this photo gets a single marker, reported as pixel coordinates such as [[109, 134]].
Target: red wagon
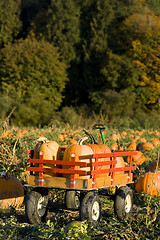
[[80, 192]]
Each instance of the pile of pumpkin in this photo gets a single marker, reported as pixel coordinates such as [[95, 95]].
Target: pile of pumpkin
[[51, 150], [149, 181]]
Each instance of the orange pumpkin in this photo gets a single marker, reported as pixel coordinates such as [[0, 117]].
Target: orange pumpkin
[[145, 146], [132, 146], [99, 148], [138, 159], [71, 141], [156, 142], [142, 140], [79, 150], [51, 151], [124, 133], [115, 137], [120, 163], [102, 148], [149, 183], [11, 192], [135, 139], [114, 146]]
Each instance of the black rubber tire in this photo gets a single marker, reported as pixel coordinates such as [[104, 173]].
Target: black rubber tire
[[123, 203], [34, 199], [72, 199], [90, 208]]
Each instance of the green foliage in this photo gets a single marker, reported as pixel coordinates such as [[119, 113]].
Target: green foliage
[[85, 75], [35, 109], [125, 8], [146, 58], [139, 25], [95, 22], [6, 103], [120, 73], [77, 229], [138, 38], [122, 10], [108, 46], [33, 75], [12, 155], [143, 224], [29, 10], [114, 112], [154, 5], [59, 25], [10, 22], [96, 18], [69, 115]]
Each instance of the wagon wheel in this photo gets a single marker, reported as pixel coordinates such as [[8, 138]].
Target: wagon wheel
[[90, 208], [36, 205], [72, 199], [123, 202]]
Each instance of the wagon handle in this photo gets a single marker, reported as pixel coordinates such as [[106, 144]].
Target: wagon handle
[[100, 127]]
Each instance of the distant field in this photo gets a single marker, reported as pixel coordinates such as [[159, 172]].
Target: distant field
[[145, 220]]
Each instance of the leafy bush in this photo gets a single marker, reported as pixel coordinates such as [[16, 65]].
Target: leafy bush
[[34, 77]]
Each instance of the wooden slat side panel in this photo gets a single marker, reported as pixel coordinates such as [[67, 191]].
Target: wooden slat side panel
[[118, 179], [112, 170], [115, 154], [92, 173], [82, 184], [102, 182], [62, 182], [57, 162], [56, 170], [103, 163]]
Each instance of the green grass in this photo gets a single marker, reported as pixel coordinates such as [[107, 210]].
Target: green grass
[[141, 224]]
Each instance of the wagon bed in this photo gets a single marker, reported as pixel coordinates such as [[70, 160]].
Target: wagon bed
[[115, 176]]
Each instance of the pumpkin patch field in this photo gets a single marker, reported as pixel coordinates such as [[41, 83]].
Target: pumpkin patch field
[[62, 223]]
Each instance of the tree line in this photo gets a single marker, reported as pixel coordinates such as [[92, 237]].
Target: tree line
[[97, 55]]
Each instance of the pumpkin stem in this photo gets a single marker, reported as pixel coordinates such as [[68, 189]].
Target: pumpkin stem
[[42, 139], [80, 142], [93, 140]]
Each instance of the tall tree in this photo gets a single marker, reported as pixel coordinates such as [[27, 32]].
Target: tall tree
[[59, 25], [138, 26], [32, 73], [154, 6], [142, 32], [95, 20], [122, 10], [29, 10], [10, 22], [147, 59]]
